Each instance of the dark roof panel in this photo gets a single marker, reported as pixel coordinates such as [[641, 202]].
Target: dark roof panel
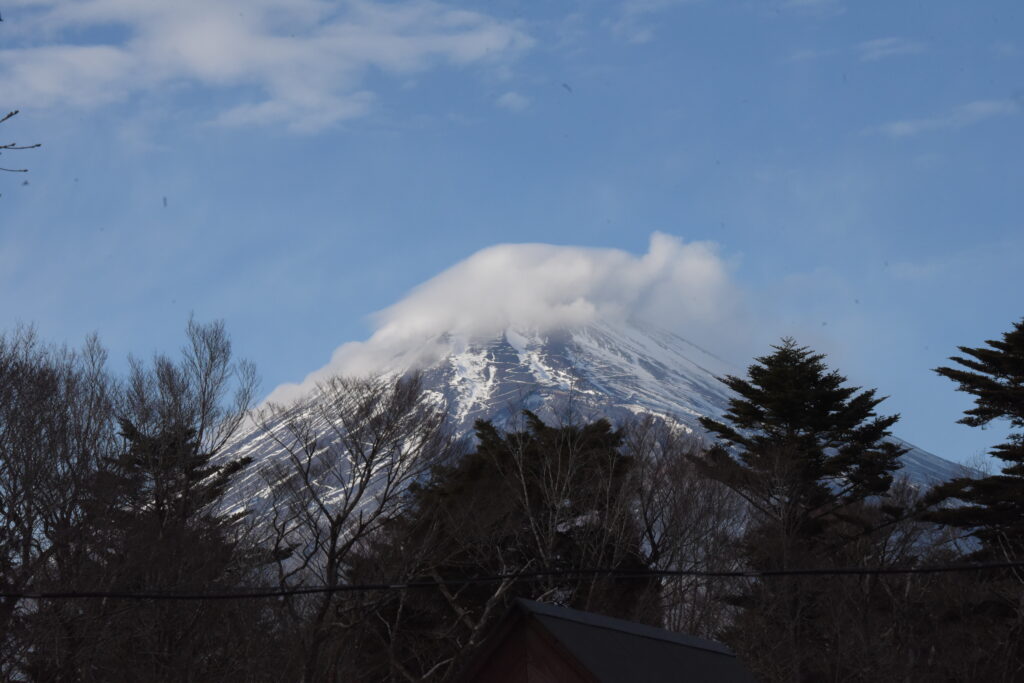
[[621, 651], [630, 627]]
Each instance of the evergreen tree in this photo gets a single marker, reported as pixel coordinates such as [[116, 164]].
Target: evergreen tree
[[153, 520], [797, 444], [159, 504], [992, 507], [168, 479], [806, 453], [155, 525]]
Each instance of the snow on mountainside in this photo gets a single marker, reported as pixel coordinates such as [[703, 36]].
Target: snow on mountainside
[[611, 370], [595, 370]]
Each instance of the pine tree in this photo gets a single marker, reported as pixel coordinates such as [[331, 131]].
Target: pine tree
[[993, 506], [153, 520], [797, 444], [806, 453], [168, 479]]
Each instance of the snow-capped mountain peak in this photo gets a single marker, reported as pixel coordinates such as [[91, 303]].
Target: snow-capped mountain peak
[[601, 369]]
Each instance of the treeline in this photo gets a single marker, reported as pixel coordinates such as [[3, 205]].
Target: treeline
[[117, 491]]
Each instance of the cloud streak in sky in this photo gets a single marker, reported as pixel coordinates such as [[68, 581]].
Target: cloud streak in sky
[[513, 101], [816, 7], [883, 48], [542, 287], [959, 117], [299, 62], [634, 25]]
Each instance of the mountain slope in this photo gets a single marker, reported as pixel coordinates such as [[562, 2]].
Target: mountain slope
[[615, 371]]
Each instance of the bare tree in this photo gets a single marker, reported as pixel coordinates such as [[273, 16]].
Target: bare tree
[[205, 389], [347, 454], [56, 423], [528, 500], [148, 517], [11, 146], [690, 523]]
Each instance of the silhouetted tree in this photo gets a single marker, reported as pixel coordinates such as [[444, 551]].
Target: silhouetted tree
[[805, 452], [56, 423], [347, 454], [544, 498], [689, 523], [992, 507], [12, 146], [152, 521]]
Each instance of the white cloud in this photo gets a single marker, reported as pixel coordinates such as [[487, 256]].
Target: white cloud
[[867, 51], [908, 270], [882, 48], [959, 117], [542, 287], [1006, 49], [633, 24], [808, 55], [328, 109], [815, 7], [513, 101], [60, 74], [306, 59]]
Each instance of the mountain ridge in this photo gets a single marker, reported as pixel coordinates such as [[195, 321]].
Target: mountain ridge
[[614, 370]]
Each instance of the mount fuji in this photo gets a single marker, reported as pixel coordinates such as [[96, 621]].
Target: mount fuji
[[600, 369]]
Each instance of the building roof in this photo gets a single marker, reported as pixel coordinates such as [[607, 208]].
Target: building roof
[[615, 650]]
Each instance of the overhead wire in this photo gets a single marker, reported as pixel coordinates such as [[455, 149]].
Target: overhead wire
[[258, 592]]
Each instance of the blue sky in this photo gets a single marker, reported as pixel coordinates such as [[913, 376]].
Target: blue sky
[[857, 164]]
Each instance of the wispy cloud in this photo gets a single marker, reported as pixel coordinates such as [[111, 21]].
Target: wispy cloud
[[513, 101], [916, 272], [883, 48], [867, 51], [301, 62], [1006, 49], [809, 54], [633, 24], [959, 117], [815, 7]]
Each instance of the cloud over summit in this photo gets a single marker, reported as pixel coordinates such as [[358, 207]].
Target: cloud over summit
[[541, 287]]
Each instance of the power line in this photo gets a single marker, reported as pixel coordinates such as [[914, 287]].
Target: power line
[[242, 593]]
